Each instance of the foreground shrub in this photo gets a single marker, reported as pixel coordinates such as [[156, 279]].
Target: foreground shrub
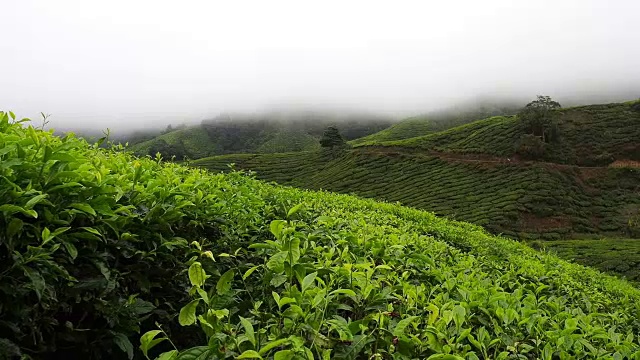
[[90, 240]]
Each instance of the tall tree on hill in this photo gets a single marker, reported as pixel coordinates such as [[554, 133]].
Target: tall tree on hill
[[332, 138], [537, 116]]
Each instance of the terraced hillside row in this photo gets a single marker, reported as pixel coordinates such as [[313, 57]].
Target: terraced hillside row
[[441, 120], [524, 200], [192, 142], [614, 256], [594, 135]]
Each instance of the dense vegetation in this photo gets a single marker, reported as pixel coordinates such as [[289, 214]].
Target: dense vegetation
[[98, 247], [264, 133], [615, 256], [524, 200], [441, 120], [593, 135], [472, 172]]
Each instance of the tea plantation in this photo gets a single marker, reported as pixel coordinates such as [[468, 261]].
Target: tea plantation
[[525, 200], [593, 135], [104, 255], [615, 256], [269, 132]]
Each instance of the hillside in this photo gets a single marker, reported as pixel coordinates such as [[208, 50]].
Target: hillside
[[99, 247], [440, 120], [593, 135], [615, 256], [258, 133], [523, 200], [193, 142], [471, 173]]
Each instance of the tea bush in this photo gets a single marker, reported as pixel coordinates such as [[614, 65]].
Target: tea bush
[[89, 240], [97, 246]]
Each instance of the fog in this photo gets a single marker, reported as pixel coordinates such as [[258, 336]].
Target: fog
[[134, 64]]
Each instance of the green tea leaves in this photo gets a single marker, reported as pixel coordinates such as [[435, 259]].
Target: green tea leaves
[[272, 345], [284, 355], [294, 210], [276, 227], [118, 243], [124, 344], [86, 208], [308, 281], [402, 325], [9, 209], [188, 313], [248, 330], [35, 200], [249, 272], [249, 354], [170, 355], [224, 283], [276, 262], [197, 275], [148, 341], [47, 235]]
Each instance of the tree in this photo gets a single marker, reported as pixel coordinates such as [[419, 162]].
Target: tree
[[331, 138], [168, 151], [530, 147], [537, 116], [168, 129]]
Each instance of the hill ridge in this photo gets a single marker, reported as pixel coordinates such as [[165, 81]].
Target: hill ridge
[[266, 133], [590, 134]]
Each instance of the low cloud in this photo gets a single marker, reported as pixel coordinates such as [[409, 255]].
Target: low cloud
[[136, 64]]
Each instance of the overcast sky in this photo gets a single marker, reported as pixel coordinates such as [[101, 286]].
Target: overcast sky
[[132, 62]]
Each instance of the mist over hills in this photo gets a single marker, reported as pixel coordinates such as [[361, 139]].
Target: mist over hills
[[302, 125], [277, 131]]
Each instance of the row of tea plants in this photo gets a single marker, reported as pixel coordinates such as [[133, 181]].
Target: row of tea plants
[[105, 255]]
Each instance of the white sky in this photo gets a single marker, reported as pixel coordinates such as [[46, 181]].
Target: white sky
[[115, 63]]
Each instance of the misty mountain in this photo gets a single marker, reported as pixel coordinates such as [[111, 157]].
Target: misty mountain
[[278, 131]]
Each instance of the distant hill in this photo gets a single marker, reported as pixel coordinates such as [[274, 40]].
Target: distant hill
[[441, 120], [590, 135], [259, 133], [580, 188]]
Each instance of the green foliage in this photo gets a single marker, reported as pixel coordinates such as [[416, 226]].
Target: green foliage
[[633, 225], [437, 121], [496, 135], [404, 129], [614, 256], [537, 119], [518, 199], [89, 240], [331, 138], [267, 133], [168, 151], [191, 142], [530, 147], [97, 245], [326, 287], [593, 135]]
